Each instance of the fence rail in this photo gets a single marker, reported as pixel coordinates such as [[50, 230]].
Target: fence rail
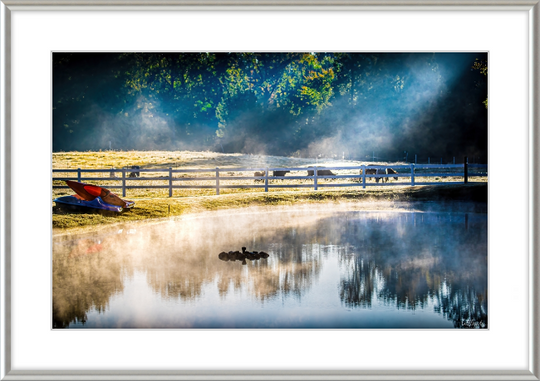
[[411, 171]]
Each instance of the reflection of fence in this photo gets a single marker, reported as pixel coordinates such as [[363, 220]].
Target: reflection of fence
[[376, 172]]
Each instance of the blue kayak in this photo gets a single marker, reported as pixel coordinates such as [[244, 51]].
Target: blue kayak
[[96, 205]]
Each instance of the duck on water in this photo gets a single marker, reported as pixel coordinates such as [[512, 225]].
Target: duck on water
[[242, 256]]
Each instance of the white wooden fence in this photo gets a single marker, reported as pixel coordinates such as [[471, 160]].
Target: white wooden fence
[[219, 174]]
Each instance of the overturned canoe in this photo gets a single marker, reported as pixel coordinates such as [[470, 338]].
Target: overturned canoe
[[92, 198], [90, 192], [76, 203]]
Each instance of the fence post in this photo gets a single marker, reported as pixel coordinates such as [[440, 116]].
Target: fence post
[[170, 182], [217, 180], [465, 169], [123, 182], [315, 177], [364, 176], [266, 179], [78, 174], [412, 175]]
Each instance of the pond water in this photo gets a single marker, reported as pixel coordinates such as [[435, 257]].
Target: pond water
[[405, 267]]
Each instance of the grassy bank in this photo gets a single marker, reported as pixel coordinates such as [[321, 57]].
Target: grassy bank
[[150, 208]]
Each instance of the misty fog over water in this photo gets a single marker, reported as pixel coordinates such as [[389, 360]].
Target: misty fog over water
[[410, 266]]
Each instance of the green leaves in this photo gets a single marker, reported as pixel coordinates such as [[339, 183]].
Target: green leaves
[[482, 66], [237, 102]]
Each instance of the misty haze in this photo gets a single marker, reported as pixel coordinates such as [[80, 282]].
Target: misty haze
[[430, 104], [270, 190]]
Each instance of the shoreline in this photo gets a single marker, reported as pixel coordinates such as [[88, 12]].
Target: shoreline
[[159, 209]]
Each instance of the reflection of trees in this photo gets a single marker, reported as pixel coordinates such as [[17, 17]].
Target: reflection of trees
[[447, 269], [466, 308], [298, 264], [179, 263], [182, 268], [399, 261], [86, 273], [358, 288]]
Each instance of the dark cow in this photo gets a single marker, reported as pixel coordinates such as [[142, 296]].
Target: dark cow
[[321, 172], [325, 172], [135, 174], [279, 173], [372, 171], [390, 171], [375, 171], [380, 171]]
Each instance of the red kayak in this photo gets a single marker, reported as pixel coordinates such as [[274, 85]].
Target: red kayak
[[90, 192]]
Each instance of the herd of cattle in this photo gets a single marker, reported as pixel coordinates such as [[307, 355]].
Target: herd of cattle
[[320, 172], [327, 172]]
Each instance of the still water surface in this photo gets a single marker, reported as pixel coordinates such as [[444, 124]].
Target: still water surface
[[408, 267]]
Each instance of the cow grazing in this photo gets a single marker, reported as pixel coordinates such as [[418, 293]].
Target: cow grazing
[[321, 172], [279, 173], [380, 171], [371, 171], [390, 171], [135, 174], [325, 172], [259, 174], [375, 171]]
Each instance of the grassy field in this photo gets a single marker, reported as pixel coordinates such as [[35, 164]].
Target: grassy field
[[207, 160], [155, 203]]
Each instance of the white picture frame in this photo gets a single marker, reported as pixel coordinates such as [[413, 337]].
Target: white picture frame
[[9, 210]]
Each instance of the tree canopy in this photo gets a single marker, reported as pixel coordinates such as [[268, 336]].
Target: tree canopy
[[303, 104]]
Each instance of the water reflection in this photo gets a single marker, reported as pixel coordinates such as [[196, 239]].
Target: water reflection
[[440, 261], [324, 269], [86, 273]]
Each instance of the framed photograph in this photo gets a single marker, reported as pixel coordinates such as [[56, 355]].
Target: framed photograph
[[347, 145]]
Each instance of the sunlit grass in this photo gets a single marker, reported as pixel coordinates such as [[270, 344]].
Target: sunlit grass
[[163, 207]]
